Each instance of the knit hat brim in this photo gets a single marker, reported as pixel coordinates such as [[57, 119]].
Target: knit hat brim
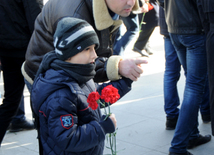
[[73, 36]]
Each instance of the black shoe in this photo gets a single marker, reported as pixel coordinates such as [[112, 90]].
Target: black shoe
[[142, 53], [23, 125], [198, 141], [206, 118], [147, 48], [187, 153], [171, 123]]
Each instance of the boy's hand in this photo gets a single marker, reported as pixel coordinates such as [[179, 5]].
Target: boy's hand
[[113, 118]]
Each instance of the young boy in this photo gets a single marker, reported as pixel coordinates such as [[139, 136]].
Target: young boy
[[59, 95]]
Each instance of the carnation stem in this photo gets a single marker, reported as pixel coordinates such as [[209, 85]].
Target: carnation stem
[[111, 143], [103, 106], [115, 143], [109, 111], [142, 22]]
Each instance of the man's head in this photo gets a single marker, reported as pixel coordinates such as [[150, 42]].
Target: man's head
[[72, 36], [121, 7]]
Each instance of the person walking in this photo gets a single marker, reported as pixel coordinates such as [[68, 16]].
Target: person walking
[[150, 21], [19, 121], [132, 30], [16, 26], [122, 41]]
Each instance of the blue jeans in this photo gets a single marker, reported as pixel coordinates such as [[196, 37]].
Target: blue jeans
[[171, 77], [20, 115], [121, 42], [192, 55], [205, 105]]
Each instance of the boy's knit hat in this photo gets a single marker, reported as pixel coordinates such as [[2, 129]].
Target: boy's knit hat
[[72, 36]]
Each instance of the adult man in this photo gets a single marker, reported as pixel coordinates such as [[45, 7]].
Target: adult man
[[188, 38], [141, 45], [16, 26], [171, 78], [206, 11], [99, 14]]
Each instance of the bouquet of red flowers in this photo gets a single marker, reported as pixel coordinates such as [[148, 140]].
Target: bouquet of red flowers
[[110, 95]]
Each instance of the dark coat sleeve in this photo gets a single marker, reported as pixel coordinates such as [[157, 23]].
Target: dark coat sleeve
[[123, 85], [100, 69]]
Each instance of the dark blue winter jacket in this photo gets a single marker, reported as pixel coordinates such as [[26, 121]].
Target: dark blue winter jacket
[[67, 125]]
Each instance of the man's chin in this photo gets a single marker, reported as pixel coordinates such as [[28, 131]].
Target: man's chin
[[126, 14]]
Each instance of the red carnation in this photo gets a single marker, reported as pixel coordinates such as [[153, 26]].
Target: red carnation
[[150, 7], [92, 100], [110, 94]]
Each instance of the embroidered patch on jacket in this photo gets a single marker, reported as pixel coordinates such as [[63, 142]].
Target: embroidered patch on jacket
[[67, 121]]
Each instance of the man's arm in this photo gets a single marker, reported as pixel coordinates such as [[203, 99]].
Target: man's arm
[[114, 67], [132, 68]]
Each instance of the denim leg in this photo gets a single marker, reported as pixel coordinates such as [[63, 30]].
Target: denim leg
[[192, 55], [205, 105], [121, 42], [20, 115], [171, 77], [210, 58]]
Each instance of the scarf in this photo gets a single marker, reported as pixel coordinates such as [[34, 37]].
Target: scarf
[[80, 72]]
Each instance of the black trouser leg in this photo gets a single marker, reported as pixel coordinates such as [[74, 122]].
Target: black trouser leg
[[210, 65], [13, 87], [146, 32]]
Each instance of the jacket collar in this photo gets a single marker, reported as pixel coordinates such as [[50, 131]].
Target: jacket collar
[[102, 17]]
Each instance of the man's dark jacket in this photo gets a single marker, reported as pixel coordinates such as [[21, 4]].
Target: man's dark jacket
[[16, 25], [185, 12]]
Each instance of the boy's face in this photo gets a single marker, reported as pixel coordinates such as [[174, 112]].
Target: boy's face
[[88, 55], [121, 7]]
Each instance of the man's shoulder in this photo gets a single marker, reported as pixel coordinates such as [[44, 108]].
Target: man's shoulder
[[55, 9]]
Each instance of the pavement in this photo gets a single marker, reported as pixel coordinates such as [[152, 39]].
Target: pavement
[[140, 115]]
